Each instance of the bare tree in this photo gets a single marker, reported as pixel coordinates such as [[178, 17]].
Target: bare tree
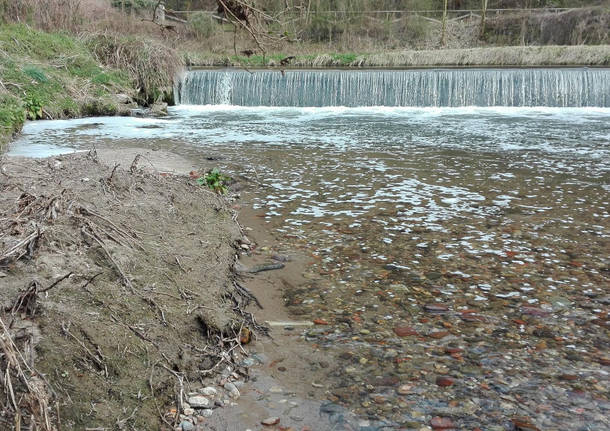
[[483, 14], [444, 24]]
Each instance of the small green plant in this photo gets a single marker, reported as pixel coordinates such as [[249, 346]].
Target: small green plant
[[36, 74], [33, 108], [215, 181]]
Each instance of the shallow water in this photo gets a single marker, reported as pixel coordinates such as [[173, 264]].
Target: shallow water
[[498, 216]]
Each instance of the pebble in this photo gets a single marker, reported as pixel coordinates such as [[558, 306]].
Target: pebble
[[187, 426], [206, 413], [198, 401], [274, 420], [404, 331], [233, 391], [189, 411], [209, 391], [444, 381], [439, 423], [404, 389], [436, 308]]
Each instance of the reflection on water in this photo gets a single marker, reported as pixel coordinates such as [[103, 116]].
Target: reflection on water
[[483, 231]]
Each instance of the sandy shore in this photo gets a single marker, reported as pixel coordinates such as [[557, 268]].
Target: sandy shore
[[118, 281]]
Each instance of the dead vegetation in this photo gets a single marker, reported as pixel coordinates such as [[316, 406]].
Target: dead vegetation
[[118, 294]]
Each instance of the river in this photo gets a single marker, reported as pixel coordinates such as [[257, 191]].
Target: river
[[459, 223]]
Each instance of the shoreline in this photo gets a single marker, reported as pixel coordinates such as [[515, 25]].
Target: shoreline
[[268, 359]]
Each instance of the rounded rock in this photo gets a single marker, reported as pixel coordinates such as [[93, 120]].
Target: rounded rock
[[209, 391], [187, 426], [198, 401], [274, 420], [206, 413]]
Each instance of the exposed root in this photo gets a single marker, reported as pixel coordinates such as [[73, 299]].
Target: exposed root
[[27, 399]]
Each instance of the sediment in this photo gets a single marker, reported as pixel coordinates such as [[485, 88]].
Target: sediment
[[117, 283]]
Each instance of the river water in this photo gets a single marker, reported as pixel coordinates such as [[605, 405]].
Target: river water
[[460, 253]]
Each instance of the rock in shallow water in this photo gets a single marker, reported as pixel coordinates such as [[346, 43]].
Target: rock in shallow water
[[274, 420], [439, 423], [187, 426], [404, 331], [233, 391]]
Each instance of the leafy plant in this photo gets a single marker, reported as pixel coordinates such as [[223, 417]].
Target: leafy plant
[[33, 108], [215, 181]]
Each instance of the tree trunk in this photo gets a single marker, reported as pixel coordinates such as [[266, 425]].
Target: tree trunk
[[526, 6], [444, 24], [483, 13]]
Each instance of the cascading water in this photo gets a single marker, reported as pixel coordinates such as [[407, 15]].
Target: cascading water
[[417, 88]]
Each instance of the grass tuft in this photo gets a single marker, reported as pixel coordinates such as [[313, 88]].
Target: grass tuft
[[151, 64]]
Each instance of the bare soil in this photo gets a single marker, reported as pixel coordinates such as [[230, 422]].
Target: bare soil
[[117, 290]]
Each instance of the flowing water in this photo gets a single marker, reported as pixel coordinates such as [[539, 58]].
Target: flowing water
[[460, 252]]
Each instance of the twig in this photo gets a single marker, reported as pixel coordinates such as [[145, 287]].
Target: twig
[[90, 280], [55, 283], [124, 278], [99, 362]]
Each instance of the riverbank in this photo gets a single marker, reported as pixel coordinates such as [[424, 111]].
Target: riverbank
[[55, 75], [507, 56], [113, 278]]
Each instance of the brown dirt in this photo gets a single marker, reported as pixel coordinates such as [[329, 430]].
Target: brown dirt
[[151, 258]]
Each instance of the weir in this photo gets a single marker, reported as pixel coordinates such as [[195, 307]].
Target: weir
[[574, 87]]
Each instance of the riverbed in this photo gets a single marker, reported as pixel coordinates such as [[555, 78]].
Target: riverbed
[[460, 255]]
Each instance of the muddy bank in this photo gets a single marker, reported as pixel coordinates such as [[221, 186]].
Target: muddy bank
[[117, 290]]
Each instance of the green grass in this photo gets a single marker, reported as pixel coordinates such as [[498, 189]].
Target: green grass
[[305, 60], [51, 75]]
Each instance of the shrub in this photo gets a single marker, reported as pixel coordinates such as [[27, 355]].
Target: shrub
[[151, 64]]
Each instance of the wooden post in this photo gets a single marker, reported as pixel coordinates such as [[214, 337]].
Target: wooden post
[[444, 23], [484, 12]]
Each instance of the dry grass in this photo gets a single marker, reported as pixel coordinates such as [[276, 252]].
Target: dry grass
[[597, 55], [494, 56], [152, 64]]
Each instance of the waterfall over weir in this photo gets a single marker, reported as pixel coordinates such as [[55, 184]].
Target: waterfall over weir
[[574, 87]]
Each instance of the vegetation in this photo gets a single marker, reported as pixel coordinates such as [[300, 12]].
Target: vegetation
[[488, 56], [215, 181], [151, 64], [50, 75]]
